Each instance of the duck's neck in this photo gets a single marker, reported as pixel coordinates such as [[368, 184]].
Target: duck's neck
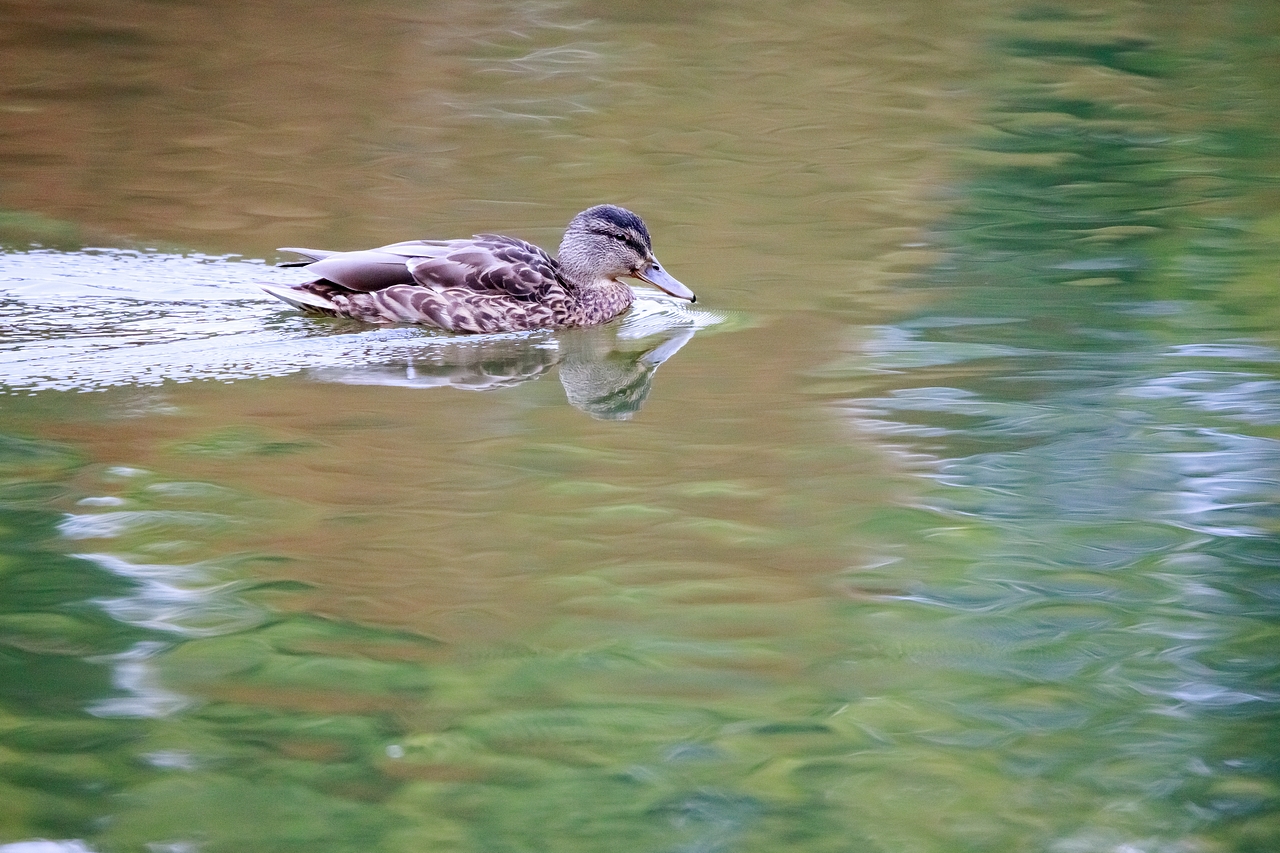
[[598, 296], [601, 301], [577, 269]]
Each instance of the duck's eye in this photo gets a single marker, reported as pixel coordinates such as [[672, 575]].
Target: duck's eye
[[627, 240]]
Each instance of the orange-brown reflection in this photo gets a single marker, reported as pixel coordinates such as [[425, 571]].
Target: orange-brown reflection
[[481, 516], [235, 128]]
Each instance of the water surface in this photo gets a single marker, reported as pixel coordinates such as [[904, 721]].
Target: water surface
[[944, 521]]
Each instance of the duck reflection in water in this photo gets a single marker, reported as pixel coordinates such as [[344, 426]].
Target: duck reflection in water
[[605, 372]]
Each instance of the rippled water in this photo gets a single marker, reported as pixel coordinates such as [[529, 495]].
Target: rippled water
[[92, 320], [946, 520]]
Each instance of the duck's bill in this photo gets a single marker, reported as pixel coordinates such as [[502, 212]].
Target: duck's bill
[[658, 277]]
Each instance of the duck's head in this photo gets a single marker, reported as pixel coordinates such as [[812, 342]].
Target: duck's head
[[605, 242]]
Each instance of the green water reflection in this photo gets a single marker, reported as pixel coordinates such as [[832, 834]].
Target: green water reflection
[[992, 572], [1101, 433]]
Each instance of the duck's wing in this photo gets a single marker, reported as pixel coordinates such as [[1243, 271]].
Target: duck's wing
[[311, 256], [367, 270], [486, 264]]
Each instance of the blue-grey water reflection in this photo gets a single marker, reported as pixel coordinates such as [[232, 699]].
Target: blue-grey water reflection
[[1099, 432], [949, 522]]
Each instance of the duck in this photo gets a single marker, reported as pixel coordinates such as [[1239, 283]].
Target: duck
[[488, 283]]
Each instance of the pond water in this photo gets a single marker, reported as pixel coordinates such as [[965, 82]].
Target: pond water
[[946, 520]]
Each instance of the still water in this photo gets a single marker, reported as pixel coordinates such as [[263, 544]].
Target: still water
[[946, 520]]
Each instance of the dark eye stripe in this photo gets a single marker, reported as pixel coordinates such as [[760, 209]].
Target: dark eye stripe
[[631, 242]]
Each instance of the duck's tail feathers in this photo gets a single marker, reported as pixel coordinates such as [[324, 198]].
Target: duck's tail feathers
[[311, 255], [303, 299]]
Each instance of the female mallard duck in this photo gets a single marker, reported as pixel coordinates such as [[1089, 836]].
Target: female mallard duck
[[489, 283]]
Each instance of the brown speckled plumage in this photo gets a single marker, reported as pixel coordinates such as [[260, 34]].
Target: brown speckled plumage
[[488, 283]]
